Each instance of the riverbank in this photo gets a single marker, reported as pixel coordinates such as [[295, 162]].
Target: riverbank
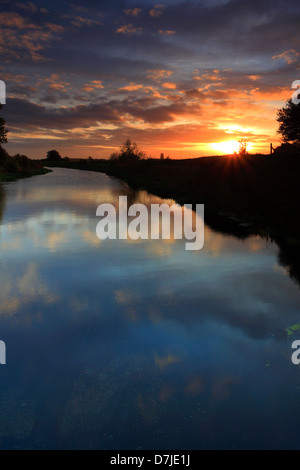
[[7, 177], [251, 195], [18, 166], [257, 191]]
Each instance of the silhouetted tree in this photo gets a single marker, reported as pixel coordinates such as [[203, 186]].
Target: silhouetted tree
[[23, 163], [53, 156], [285, 149], [114, 156], [243, 147], [289, 119], [128, 153], [3, 130]]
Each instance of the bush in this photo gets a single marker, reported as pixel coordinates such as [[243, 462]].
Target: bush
[[289, 119], [53, 156], [4, 157], [287, 149], [129, 153], [22, 162]]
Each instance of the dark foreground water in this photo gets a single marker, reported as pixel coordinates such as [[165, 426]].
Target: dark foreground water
[[138, 344]]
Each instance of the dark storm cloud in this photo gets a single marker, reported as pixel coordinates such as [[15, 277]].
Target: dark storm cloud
[[20, 111], [38, 116]]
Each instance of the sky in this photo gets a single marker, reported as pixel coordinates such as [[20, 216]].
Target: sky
[[181, 77]]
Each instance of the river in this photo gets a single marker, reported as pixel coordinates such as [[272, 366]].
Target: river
[[123, 344]]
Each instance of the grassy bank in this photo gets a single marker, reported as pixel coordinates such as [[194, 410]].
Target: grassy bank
[[6, 176], [18, 166]]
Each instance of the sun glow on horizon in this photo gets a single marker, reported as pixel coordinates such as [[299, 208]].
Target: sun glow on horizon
[[228, 147]]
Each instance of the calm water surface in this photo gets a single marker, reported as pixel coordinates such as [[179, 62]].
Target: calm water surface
[[138, 344]]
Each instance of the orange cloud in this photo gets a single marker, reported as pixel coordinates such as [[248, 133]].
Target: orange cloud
[[157, 74], [55, 83], [11, 77], [288, 56], [133, 11], [20, 36], [57, 86], [81, 21], [129, 29], [14, 20], [254, 77], [166, 32], [93, 85], [169, 85], [157, 11], [210, 76], [131, 87]]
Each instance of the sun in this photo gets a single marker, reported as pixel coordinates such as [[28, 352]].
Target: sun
[[228, 147]]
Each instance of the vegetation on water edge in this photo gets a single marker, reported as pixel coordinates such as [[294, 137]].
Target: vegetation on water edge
[[18, 166], [258, 190], [249, 195], [7, 177]]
